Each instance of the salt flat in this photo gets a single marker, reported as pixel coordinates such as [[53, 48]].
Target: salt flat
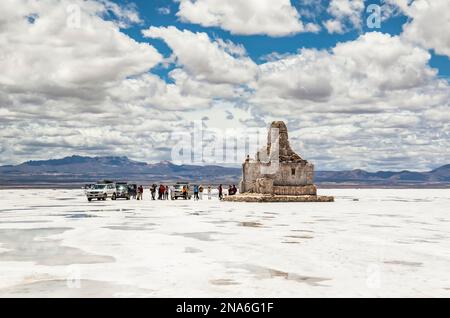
[[382, 243]]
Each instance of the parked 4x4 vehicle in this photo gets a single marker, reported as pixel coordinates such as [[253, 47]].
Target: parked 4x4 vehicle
[[177, 191], [101, 191], [122, 191]]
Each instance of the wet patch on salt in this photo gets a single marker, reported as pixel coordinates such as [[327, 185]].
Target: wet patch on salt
[[325, 220], [429, 230], [192, 250], [400, 199], [202, 236], [268, 273], [391, 215], [141, 217], [383, 226], [61, 288], [46, 206], [79, 216], [12, 210], [25, 222], [223, 282], [220, 221], [416, 222], [131, 226], [425, 241], [33, 245], [404, 263], [403, 242], [125, 228], [344, 197], [250, 224]]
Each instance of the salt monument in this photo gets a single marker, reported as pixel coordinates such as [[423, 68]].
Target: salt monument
[[277, 174]]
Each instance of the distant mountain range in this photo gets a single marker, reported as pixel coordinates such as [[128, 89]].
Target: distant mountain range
[[439, 177], [77, 170]]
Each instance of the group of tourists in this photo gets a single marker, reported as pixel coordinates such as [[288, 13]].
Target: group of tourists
[[165, 192], [232, 190]]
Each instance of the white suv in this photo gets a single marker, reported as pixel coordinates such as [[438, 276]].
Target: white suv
[[101, 191]]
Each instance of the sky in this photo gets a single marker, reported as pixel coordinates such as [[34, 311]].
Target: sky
[[360, 84]]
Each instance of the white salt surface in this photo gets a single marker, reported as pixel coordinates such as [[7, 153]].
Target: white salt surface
[[382, 243]]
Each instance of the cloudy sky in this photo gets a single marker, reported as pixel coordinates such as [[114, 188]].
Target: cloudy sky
[[100, 77]]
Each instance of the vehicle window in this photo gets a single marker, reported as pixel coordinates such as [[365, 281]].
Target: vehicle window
[[99, 186]]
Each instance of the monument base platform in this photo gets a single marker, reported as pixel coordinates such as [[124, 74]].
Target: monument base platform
[[256, 197]]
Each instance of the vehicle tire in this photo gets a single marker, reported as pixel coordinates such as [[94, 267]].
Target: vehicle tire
[[89, 199], [128, 198], [113, 197]]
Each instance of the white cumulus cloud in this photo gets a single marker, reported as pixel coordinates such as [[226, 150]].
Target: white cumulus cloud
[[247, 17], [429, 25], [345, 14], [205, 59]]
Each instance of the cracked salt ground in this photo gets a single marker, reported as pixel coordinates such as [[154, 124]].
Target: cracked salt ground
[[159, 248]]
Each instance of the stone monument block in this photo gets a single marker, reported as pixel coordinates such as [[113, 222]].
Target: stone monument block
[[278, 174]]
